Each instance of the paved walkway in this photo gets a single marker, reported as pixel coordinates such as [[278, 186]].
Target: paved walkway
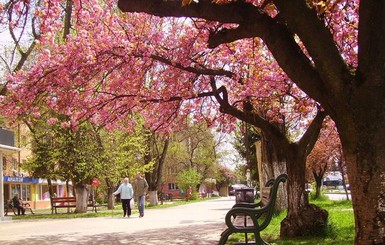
[[196, 223]]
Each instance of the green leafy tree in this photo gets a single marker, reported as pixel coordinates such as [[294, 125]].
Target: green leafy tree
[[245, 137], [193, 147], [189, 177], [121, 155]]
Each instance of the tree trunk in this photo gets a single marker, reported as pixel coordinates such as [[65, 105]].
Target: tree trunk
[[318, 184], [343, 178], [50, 191], [153, 195], [81, 195], [110, 196], [302, 218], [366, 171], [272, 166], [154, 178]]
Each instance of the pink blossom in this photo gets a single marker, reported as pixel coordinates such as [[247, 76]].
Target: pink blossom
[[52, 121]]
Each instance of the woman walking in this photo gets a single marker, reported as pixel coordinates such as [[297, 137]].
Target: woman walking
[[126, 193]]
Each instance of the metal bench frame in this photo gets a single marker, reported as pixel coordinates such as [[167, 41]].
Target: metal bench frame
[[256, 216]]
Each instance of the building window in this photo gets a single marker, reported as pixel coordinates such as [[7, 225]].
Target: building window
[[172, 186], [23, 190], [26, 192], [44, 192], [15, 171]]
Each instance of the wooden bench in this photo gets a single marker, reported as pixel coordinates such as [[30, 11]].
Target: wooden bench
[[9, 207], [70, 202], [252, 217]]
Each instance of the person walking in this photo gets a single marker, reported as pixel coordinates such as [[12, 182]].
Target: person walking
[[140, 190], [18, 203], [126, 193]]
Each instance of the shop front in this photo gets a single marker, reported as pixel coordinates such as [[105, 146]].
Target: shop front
[[32, 190]]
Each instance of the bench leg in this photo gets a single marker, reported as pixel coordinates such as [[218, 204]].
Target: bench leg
[[224, 236], [259, 240]]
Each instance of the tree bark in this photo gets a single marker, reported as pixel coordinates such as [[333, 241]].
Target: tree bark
[[81, 195], [153, 196], [318, 184], [50, 191], [110, 196], [272, 166], [302, 217], [318, 173], [155, 177], [366, 176]]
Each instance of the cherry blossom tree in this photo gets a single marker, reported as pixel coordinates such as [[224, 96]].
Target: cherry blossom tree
[[324, 153], [112, 65], [334, 51], [108, 69]]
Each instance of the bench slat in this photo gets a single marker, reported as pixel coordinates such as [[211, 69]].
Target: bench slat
[[70, 202]]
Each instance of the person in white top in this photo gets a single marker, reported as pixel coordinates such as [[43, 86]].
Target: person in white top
[[126, 193]]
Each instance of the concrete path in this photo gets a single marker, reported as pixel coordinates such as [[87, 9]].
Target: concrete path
[[196, 223]]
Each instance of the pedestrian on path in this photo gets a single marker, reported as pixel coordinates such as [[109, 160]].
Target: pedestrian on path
[[140, 190], [126, 193]]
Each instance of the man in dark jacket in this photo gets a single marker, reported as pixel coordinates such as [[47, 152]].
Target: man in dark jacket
[[17, 203]]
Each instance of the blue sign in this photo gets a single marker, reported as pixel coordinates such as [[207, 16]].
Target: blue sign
[[20, 179]]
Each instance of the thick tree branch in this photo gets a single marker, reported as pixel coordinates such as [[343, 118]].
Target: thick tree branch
[[67, 19], [252, 23], [319, 42], [234, 12], [249, 117], [308, 140], [371, 43]]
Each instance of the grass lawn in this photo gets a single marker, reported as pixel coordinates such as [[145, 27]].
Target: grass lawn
[[340, 230]]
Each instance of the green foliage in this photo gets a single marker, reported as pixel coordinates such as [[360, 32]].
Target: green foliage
[[188, 177], [83, 152], [194, 196], [123, 152], [193, 147], [245, 138]]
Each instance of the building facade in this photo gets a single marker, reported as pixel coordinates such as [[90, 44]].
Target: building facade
[[35, 191]]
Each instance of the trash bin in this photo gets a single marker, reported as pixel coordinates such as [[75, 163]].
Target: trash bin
[[244, 195]]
